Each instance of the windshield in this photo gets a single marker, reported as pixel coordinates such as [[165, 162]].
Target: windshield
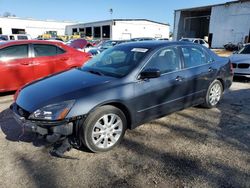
[[115, 62], [3, 37], [245, 50]]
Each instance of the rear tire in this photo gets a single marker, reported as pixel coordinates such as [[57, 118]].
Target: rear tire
[[214, 94], [103, 129]]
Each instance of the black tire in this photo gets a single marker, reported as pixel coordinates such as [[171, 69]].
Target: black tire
[[208, 103], [97, 116]]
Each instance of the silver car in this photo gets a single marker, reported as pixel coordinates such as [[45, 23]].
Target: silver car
[[241, 61]]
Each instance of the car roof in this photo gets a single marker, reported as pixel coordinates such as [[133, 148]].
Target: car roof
[[114, 40], [153, 44], [193, 38], [16, 42]]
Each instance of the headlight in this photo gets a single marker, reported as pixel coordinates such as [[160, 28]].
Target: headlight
[[56, 111]]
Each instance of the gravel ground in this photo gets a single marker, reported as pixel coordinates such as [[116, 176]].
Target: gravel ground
[[195, 147], [222, 52]]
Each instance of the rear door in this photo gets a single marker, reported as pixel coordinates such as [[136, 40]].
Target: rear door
[[162, 95], [198, 71], [16, 68], [48, 59]]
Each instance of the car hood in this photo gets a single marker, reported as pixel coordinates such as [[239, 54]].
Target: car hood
[[72, 84], [242, 58], [78, 43]]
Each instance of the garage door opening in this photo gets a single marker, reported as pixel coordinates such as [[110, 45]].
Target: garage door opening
[[194, 23], [106, 31], [97, 32], [18, 31], [88, 31]]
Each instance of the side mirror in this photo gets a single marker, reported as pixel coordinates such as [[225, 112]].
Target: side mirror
[[150, 73]]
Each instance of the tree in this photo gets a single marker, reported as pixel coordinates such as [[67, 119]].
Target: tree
[[6, 14]]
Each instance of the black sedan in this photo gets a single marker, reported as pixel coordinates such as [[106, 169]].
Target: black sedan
[[121, 88]]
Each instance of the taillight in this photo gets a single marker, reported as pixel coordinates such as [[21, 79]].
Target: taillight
[[231, 68]]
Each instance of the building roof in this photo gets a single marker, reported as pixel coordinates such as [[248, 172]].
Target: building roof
[[33, 19], [141, 20], [210, 6], [124, 20]]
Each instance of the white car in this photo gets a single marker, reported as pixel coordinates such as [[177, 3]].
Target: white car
[[196, 40], [16, 37], [241, 61]]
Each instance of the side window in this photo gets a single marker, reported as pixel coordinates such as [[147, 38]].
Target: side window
[[202, 42], [60, 50], [193, 57], [196, 41], [14, 52], [166, 60], [46, 50]]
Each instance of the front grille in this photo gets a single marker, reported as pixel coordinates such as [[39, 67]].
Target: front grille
[[243, 66], [234, 65]]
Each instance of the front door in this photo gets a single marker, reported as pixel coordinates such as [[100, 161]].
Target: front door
[[158, 96]]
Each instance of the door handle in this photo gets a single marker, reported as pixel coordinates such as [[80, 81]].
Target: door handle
[[210, 69], [179, 78], [25, 63], [64, 58]]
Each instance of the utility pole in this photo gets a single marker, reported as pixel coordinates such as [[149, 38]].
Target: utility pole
[[111, 13]]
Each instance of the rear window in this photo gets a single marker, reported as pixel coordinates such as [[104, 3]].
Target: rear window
[[202, 42], [14, 52], [46, 50], [193, 57]]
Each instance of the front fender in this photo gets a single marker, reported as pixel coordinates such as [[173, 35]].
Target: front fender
[[123, 95]]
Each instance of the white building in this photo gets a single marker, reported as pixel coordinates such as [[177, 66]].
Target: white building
[[118, 29], [221, 23], [15, 25]]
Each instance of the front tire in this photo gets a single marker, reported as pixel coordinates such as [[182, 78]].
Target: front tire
[[214, 94], [103, 129]]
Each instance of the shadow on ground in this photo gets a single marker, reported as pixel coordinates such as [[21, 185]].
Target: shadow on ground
[[147, 158], [241, 79]]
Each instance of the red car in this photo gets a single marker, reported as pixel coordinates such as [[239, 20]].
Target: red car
[[24, 61]]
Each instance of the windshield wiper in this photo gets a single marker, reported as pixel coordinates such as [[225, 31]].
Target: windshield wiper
[[95, 72]]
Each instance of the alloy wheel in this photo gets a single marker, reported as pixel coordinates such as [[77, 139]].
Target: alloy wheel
[[107, 131], [215, 94]]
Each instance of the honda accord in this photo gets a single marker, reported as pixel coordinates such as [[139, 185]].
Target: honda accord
[[121, 88]]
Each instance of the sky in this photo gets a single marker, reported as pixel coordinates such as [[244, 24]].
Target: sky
[[96, 10]]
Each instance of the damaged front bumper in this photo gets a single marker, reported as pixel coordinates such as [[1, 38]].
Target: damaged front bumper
[[58, 128]]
